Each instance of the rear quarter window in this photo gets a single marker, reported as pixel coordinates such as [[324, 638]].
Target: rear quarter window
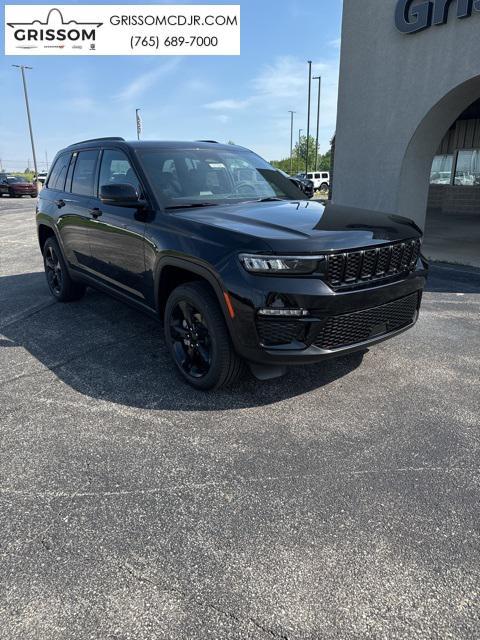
[[58, 173]]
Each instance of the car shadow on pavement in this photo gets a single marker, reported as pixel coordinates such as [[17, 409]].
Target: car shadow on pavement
[[104, 349], [449, 278]]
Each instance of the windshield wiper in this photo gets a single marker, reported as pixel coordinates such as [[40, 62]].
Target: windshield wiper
[[271, 199], [191, 205]]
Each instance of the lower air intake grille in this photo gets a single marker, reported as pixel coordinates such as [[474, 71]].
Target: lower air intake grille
[[277, 332], [352, 328]]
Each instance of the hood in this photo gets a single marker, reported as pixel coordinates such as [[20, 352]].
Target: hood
[[306, 225]]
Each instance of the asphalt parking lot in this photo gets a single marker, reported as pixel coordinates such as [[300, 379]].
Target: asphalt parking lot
[[341, 501]]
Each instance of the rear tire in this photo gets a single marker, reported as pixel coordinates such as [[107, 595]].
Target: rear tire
[[198, 339], [324, 187], [61, 285]]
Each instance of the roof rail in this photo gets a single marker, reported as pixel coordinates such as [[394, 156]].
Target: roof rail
[[99, 140], [211, 141]]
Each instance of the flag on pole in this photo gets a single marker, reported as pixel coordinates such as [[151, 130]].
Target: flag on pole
[[139, 123]]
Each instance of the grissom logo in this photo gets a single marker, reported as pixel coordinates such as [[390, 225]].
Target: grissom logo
[[55, 31]]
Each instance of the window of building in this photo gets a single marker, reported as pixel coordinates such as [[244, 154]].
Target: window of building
[[441, 172], [84, 173], [467, 172]]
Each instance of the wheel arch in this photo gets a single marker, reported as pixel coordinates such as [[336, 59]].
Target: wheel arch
[[172, 272], [45, 231]]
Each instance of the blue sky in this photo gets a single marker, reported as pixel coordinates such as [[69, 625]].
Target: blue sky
[[245, 99]]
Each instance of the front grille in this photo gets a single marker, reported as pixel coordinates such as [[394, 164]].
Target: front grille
[[360, 326], [277, 332], [357, 267]]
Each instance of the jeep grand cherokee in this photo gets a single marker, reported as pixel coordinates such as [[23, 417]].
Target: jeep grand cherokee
[[236, 262]]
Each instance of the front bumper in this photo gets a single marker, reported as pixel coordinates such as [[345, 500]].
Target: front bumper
[[339, 322], [25, 192]]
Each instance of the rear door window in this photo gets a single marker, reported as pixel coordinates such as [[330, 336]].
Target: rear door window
[[83, 181], [59, 172]]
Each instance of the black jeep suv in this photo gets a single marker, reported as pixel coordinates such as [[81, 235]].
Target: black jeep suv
[[235, 260]]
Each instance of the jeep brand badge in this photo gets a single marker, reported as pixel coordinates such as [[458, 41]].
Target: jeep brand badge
[[55, 32], [412, 18]]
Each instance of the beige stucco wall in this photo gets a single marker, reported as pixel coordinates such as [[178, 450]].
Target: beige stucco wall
[[398, 95]]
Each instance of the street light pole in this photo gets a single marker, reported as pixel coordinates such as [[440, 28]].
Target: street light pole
[[299, 143], [319, 78], [22, 68], [291, 140], [308, 117]]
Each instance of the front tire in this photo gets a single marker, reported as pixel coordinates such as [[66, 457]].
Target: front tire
[[324, 187], [198, 339], [61, 285]]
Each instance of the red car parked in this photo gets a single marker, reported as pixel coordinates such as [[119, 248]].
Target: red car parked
[[17, 187]]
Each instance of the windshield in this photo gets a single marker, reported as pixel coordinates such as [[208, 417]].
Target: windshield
[[189, 177], [14, 179]]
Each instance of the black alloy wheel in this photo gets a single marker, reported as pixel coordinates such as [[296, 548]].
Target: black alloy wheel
[[191, 341], [53, 269], [198, 339], [61, 285]]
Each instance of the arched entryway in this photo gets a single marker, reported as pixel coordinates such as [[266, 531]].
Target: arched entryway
[[452, 228]]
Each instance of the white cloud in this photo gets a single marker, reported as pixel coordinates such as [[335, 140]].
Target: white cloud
[[336, 44], [278, 87], [228, 104], [141, 83]]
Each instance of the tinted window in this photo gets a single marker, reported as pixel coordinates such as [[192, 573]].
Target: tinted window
[[59, 172], [116, 168], [325, 176], [68, 183], [188, 176], [84, 173], [317, 176]]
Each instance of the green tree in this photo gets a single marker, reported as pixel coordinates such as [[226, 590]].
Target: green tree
[[300, 153], [299, 156]]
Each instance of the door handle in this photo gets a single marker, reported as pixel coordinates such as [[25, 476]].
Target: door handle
[[60, 203], [96, 212]]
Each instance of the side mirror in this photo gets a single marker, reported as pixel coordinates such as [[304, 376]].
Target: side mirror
[[120, 195]]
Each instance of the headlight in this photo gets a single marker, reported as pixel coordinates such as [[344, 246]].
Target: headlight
[[280, 264]]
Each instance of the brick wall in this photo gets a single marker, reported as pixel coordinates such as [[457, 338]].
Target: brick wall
[[454, 199]]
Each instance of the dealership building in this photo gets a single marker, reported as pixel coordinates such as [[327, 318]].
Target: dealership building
[[408, 127]]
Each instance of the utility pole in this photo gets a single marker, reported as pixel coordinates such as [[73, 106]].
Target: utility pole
[[319, 78], [299, 143], [308, 117], [22, 68], [291, 140]]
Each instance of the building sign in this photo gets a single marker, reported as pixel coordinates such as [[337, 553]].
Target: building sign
[[411, 16], [118, 30]]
